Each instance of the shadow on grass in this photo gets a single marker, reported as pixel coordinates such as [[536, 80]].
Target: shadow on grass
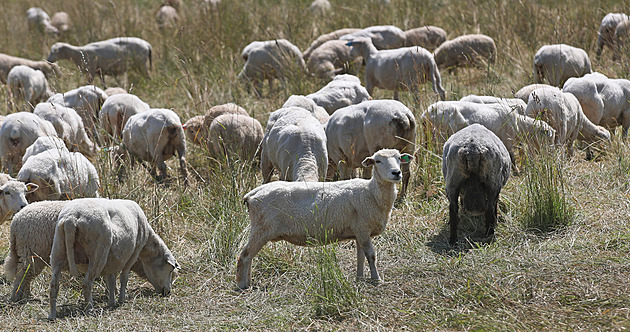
[[471, 234]]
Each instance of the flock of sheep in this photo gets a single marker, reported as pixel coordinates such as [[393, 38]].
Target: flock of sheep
[[327, 135]]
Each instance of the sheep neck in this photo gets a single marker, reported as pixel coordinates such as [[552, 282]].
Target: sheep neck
[[368, 50], [383, 191]]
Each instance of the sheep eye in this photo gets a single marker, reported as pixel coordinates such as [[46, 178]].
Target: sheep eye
[[378, 161], [6, 193]]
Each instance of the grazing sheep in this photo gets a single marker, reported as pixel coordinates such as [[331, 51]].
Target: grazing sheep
[[308, 104], [428, 37], [18, 132], [319, 7], [271, 59], [39, 19], [27, 86], [306, 214], [155, 136], [405, 67], [114, 91], [558, 62], [108, 57], [563, 112], [117, 110], [344, 90], [358, 131], [45, 143], [295, 145], [235, 133], [523, 93], [476, 166], [384, 37], [61, 21], [68, 125], [606, 33], [622, 32], [87, 101], [166, 17], [195, 130], [7, 62], [466, 51], [331, 58], [215, 111], [326, 37], [13, 196], [102, 237], [515, 103], [177, 4]]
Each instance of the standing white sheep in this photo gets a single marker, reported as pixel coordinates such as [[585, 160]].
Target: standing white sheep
[[39, 19], [605, 35], [622, 34], [384, 37], [7, 62], [13, 196], [326, 37], [344, 90], [466, 51], [87, 101], [523, 93], [27, 86], [45, 143], [61, 21], [428, 37], [235, 133], [304, 213], [332, 57], [117, 110], [558, 62], [18, 132], [69, 127], [516, 104], [306, 103]]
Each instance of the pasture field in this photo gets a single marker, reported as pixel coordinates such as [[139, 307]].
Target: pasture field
[[570, 271]]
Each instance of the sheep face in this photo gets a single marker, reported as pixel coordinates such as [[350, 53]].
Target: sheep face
[[56, 52], [160, 267], [14, 197], [387, 163]]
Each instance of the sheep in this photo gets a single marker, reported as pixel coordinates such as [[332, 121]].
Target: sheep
[[155, 136], [13, 196], [303, 213], [308, 104], [355, 132], [476, 166], [405, 67], [39, 19], [428, 37], [217, 110], [344, 90], [27, 86], [605, 35], [563, 112], [331, 58], [114, 91], [108, 57], [604, 101], [45, 143], [18, 132], [68, 125], [523, 93], [295, 145], [195, 130], [271, 59], [166, 17], [117, 110], [465, 51], [558, 62], [7, 62], [177, 4], [102, 237], [515, 103], [87, 101], [319, 7], [384, 37], [235, 133], [622, 32], [61, 21], [326, 37]]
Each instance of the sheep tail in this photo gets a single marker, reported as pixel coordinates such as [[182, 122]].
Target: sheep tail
[[70, 231]]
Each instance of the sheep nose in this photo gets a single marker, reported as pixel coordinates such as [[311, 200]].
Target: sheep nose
[[396, 173]]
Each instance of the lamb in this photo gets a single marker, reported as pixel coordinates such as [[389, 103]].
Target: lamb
[[466, 51], [524, 92], [102, 237], [563, 112], [155, 136], [476, 166], [68, 125], [331, 58], [295, 145], [87, 101], [605, 36], [428, 37], [384, 37], [622, 32], [39, 19], [358, 131], [235, 133], [117, 110], [271, 59], [558, 62], [166, 17], [303, 213], [344, 90], [13, 196], [308, 104], [27, 86], [18, 132], [45, 143], [7, 62], [515, 103], [108, 57], [61, 21], [326, 37], [405, 67]]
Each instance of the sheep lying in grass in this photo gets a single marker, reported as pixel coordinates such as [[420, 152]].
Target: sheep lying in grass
[[87, 101], [559, 62], [305, 213], [396, 69], [384, 37], [343, 90], [428, 37], [117, 110], [306, 103], [466, 51], [27, 86], [39, 19], [523, 93], [476, 166], [605, 35], [326, 37], [68, 125], [18, 132], [517, 104], [331, 58], [13, 196], [622, 34], [235, 134], [7, 62], [102, 237]]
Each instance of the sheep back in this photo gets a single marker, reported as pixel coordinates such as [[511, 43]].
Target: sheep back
[[235, 133]]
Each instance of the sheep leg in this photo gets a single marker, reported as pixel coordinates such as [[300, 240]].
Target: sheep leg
[[124, 279], [266, 166], [22, 282], [183, 168], [95, 266], [244, 264], [54, 289], [110, 279], [370, 254], [406, 173], [491, 217], [161, 165], [453, 216], [360, 261]]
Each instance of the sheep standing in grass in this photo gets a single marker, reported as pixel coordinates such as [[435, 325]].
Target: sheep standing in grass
[[319, 7], [18, 132], [605, 36], [7, 62], [331, 58], [87, 101], [559, 62], [27, 86], [622, 34], [466, 51], [384, 37], [428, 37], [102, 237], [343, 90], [61, 21], [39, 19], [114, 91], [516, 104], [196, 128], [405, 67], [13, 196], [235, 133], [45, 143], [117, 110], [326, 37], [166, 17], [304, 213], [306, 103], [523, 93], [69, 127], [476, 166]]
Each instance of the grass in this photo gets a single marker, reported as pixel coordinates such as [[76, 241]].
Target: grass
[[574, 278]]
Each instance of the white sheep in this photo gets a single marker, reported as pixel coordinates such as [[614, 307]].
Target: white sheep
[[61, 21], [68, 125], [18, 132], [332, 57], [235, 133], [295, 145], [114, 91], [166, 17], [13, 196], [108, 57], [319, 7], [358, 131], [517, 104], [306, 103], [402, 68], [155, 136], [27, 86], [558, 62], [39, 19], [466, 51], [344, 90], [563, 112], [45, 143], [195, 130], [102, 237], [476, 166], [117, 110], [622, 33], [305, 213], [523, 93], [384, 37], [268, 60], [87, 101], [326, 37], [7, 62], [605, 35], [428, 37]]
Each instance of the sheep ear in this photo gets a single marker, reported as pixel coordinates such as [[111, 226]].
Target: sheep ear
[[406, 158], [171, 260], [31, 187], [369, 161]]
